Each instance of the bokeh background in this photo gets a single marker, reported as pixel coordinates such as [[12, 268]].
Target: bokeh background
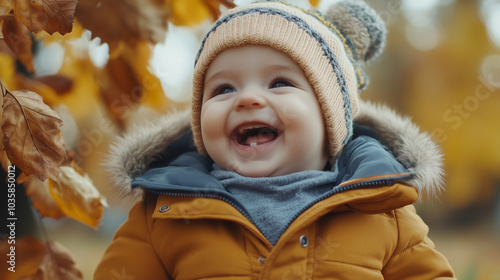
[[441, 66]]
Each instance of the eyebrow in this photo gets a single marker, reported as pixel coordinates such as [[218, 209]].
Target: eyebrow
[[215, 76], [268, 70]]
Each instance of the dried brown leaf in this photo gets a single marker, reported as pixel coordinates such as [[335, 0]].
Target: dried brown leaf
[[57, 264], [77, 196], [4, 160], [49, 15], [50, 261], [126, 82], [6, 6], [124, 20], [41, 199], [31, 134], [121, 89], [61, 84], [18, 38]]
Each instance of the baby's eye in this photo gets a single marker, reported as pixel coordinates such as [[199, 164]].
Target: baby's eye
[[224, 90], [280, 83]]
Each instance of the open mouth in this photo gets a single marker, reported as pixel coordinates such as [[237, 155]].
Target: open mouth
[[253, 135]]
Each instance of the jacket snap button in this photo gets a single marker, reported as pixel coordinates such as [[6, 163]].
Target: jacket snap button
[[262, 260], [304, 241], [164, 209]]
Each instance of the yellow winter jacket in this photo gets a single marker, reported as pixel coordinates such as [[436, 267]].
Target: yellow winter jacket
[[369, 230]]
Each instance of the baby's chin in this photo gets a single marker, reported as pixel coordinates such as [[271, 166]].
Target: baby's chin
[[250, 172], [257, 169]]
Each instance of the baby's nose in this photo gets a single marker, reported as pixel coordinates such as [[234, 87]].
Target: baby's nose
[[250, 98]]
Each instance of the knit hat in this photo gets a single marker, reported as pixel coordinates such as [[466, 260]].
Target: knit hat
[[329, 48]]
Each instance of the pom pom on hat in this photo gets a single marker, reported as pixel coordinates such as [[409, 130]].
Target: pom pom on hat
[[361, 25]]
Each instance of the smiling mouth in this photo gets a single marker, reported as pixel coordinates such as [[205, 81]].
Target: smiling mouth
[[253, 135]]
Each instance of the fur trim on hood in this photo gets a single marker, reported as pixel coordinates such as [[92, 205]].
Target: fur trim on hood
[[414, 149], [137, 151]]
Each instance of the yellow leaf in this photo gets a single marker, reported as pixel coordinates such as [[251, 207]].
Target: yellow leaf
[[314, 3], [77, 196], [128, 82], [188, 12], [49, 15], [8, 68], [192, 12], [31, 134], [154, 97], [41, 199]]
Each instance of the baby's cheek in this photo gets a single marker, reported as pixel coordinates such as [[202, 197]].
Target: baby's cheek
[[211, 122]]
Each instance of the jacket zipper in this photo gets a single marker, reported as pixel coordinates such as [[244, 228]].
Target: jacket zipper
[[334, 191]]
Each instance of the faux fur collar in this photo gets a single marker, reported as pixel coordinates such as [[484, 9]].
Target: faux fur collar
[[413, 148], [135, 152]]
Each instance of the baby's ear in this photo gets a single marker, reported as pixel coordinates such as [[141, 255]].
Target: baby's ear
[[362, 25]]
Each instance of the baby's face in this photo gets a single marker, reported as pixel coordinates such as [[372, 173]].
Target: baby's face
[[260, 116]]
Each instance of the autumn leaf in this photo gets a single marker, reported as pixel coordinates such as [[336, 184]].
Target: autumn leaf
[[77, 196], [18, 38], [35, 260], [124, 20], [188, 12], [191, 12], [61, 84], [41, 199], [4, 160], [126, 82], [121, 90], [48, 39], [314, 3], [31, 134], [5, 6], [57, 264], [48, 15]]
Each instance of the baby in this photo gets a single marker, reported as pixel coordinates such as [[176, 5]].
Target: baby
[[280, 171]]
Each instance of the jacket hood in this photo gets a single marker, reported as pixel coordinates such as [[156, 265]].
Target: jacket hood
[[146, 146]]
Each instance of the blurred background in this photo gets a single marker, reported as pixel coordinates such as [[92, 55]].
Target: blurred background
[[118, 69]]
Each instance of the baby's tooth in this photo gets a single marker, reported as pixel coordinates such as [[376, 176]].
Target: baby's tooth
[[253, 144]]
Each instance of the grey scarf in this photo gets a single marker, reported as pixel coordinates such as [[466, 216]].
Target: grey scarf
[[274, 202]]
